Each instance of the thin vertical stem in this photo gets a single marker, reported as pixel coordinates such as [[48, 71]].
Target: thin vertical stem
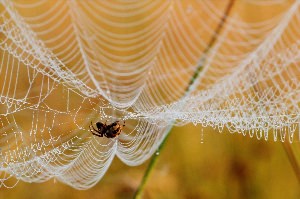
[[151, 166], [292, 159], [195, 76]]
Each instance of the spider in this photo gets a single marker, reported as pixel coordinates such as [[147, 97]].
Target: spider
[[110, 131]]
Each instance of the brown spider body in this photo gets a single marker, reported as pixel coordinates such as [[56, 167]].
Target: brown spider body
[[110, 131]]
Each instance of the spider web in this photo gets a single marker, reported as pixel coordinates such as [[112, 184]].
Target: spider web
[[66, 63]]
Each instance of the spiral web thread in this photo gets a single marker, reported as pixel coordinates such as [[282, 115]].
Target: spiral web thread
[[66, 63]]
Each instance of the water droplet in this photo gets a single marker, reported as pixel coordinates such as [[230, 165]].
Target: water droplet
[[202, 136], [157, 153]]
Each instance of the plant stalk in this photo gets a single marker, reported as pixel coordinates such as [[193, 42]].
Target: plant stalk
[[292, 159], [195, 76]]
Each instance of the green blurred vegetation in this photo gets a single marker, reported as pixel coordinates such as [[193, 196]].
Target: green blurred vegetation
[[224, 166]]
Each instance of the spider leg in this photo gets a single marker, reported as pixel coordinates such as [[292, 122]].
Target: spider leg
[[124, 123], [93, 128], [99, 135]]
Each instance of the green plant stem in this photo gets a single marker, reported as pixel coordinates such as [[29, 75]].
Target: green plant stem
[[151, 166], [292, 159], [195, 76]]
